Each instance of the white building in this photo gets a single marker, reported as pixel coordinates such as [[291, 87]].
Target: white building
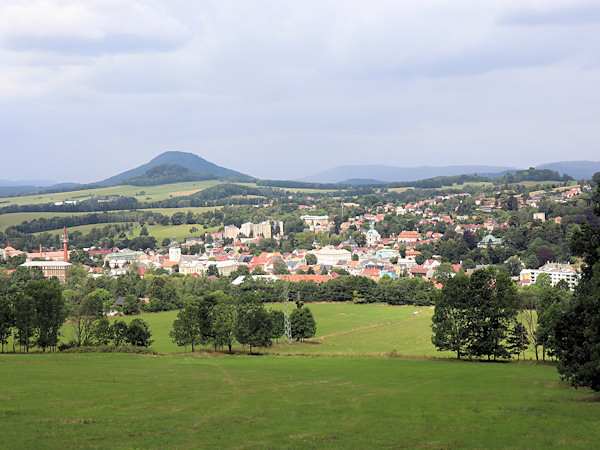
[[247, 229], [191, 267], [556, 272], [330, 256], [231, 232], [263, 229], [317, 223], [51, 269], [174, 251]]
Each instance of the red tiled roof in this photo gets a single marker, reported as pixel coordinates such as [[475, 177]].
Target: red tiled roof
[[295, 278]]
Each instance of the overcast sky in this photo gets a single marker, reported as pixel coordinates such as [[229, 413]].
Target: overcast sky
[[282, 89]]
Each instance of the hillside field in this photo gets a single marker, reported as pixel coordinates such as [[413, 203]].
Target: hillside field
[[150, 193], [160, 232], [346, 388], [143, 401], [7, 220], [343, 329]]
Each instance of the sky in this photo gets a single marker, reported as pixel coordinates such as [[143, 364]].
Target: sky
[[286, 89]]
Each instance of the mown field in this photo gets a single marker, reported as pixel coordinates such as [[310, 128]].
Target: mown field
[[142, 401]]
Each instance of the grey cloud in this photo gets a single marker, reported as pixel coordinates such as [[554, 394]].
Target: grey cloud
[[109, 44], [572, 15]]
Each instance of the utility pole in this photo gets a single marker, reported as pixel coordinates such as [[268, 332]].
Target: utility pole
[[287, 326]]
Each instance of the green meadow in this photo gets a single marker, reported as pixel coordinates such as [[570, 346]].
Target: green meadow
[[142, 193], [143, 401], [370, 378], [7, 220], [160, 232], [343, 329]]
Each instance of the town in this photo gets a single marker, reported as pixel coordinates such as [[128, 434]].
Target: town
[[316, 224], [328, 247]]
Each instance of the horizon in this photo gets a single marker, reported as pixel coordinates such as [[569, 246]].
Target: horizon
[[286, 91], [50, 182]]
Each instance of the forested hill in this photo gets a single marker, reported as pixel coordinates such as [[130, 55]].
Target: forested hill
[[517, 177], [168, 173], [191, 161]]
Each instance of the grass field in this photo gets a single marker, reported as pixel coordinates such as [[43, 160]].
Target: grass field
[[160, 232], [7, 220], [297, 396], [181, 232], [343, 329], [154, 193], [150, 193], [121, 400], [470, 184]]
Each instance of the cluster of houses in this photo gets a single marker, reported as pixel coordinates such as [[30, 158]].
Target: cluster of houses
[[227, 250]]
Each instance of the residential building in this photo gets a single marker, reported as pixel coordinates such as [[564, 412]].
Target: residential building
[[409, 237], [231, 232], [490, 240], [556, 271], [123, 257], [316, 223]]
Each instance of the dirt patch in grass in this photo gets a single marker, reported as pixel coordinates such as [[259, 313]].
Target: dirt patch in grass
[[184, 193], [339, 333]]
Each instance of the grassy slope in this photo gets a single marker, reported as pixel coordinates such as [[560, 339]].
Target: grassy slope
[[7, 220], [342, 329], [154, 193], [117, 400], [160, 232]]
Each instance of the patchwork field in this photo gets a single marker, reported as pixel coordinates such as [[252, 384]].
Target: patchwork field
[[121, 400]]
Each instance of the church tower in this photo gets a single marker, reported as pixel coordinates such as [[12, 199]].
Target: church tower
[[174, 251]]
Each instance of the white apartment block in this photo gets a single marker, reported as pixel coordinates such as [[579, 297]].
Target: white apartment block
[[231, 232], [556, 271]]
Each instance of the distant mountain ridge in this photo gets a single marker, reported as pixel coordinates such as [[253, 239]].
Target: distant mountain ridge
[[392, 173], [577, 169], [190, 161], [27, 182]]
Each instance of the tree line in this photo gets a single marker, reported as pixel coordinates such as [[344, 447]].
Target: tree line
[[484, 316], [220, 320]]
